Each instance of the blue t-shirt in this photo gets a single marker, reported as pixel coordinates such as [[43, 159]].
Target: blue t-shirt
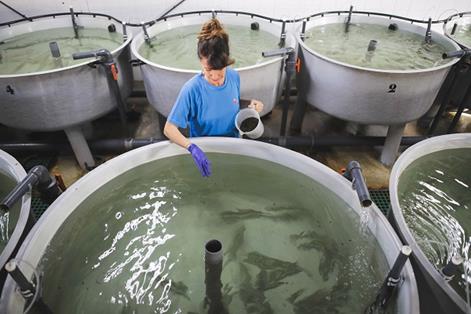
[[208, 110]]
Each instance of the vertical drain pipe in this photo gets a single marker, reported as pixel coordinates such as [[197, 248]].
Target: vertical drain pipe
[[290, 63], [349, 19], [393, 279], [146, 35], [281, 44], [453, 30], [28, 290], [213, 255], [125, 32], [428, 33], [74, 23]]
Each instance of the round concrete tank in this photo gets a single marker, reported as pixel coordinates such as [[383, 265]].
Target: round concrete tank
[[63, 97], [20, 213], [436, 293], [39, 239], [368, 95], [163, 83]]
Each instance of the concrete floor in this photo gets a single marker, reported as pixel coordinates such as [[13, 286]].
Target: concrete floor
[[315, 122]]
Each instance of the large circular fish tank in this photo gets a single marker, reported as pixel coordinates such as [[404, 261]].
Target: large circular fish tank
[[170, 58], [392, 83], [431, 199], [41, 92], [130, 236], [16, 223], [458, 28]]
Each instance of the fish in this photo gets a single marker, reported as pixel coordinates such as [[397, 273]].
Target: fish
[[272, 270], [254, 299], [274, 212], [236, 245], [331, 253]]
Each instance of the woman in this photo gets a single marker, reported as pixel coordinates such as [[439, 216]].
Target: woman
[[208, 102]]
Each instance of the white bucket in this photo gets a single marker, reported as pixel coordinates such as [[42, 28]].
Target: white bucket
[[245, 114]]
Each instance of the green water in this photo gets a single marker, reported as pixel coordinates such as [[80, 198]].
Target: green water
[[435, 196], [395, 50], [7, 220], [136, 245], [463, 35], [178, 47], [30, 52]]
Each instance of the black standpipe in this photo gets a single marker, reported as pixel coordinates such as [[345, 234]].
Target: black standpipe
[[39, 177], [393, 279], [354, 174], [105, 59], [290, 64], [213, 256], [26, 288], [451, 269]]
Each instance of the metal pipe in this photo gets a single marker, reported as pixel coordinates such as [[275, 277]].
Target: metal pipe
[[428, 33], [74, 23], [355, 175], [39, 177], [392, 281], [213, 256], [349, 19]]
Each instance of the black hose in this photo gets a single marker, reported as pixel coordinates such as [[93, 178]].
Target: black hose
[[121, 145], [16, 11]]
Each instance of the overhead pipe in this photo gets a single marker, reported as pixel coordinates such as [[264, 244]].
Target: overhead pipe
[[16, 11]]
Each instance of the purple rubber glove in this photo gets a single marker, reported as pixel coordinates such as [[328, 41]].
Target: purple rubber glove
[[201, 161]]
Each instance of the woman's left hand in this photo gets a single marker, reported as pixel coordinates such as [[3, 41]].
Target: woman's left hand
[[256, 104]]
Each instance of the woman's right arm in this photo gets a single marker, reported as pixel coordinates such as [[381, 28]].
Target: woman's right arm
[[172, 132]]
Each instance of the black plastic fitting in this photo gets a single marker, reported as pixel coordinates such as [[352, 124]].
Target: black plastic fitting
[[255, 26], [355, 175], [456, 54], [55, 51], [38, 176], [112, 28], [451, 269], [393, 27], [104, 55]]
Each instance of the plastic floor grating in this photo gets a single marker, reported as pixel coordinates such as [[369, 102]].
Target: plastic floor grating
[[38, 207], [381, 199]]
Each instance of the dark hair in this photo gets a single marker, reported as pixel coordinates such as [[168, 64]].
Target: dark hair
[[213, 44]]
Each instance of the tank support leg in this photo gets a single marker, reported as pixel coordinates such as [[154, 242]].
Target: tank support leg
[[80, 147], [392, 143]]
